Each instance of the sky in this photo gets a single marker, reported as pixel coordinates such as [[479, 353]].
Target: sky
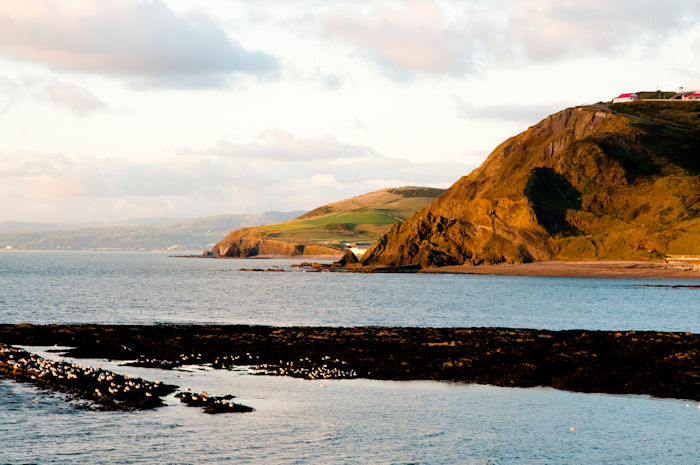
[[120, 109]]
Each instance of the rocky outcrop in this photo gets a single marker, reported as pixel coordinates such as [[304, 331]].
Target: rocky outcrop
[[584, 183], [348, 258], [363, 218], [251, 242]]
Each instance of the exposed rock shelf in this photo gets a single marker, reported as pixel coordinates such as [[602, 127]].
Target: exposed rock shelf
[[661, 364], [108, 390]]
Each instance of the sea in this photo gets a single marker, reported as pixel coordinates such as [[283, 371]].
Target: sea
[[354, 421]]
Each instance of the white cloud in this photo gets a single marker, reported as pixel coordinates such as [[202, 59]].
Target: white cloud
[[79, 100], [415, 36], [9, 92], [75, 187], [275, 144], [410, 37], [511, 112], [429, 36], [549, 29], [145, 39]]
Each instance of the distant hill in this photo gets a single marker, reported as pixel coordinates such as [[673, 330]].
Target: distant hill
[[141, 234], [607, 181], [322, 231]]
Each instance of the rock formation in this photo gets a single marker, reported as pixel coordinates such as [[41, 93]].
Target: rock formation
[[596, 182], [364, 218]]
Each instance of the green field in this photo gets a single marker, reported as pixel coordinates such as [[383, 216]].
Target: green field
[[364, 218]]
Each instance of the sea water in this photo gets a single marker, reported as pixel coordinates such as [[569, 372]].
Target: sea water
[[340, 421], [133, 288]]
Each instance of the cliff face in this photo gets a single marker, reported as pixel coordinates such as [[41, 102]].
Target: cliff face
[[364, 218], [251, 242], [584, 183]]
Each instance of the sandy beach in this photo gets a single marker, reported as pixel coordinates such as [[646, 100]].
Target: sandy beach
[[580, 269]]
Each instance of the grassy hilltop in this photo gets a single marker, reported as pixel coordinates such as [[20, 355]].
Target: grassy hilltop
[[364, 218]]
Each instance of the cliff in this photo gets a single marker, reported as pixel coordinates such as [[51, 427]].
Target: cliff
[[596, 182], [321, 231]]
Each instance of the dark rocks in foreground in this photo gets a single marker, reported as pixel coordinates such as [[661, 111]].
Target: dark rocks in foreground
[[212, 404], [661, 364], [104, 389]]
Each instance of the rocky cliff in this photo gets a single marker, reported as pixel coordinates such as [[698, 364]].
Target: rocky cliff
[[251, 242], [596, 182], [363, 218]]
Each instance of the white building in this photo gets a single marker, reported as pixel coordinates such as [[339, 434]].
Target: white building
[[625, 98]]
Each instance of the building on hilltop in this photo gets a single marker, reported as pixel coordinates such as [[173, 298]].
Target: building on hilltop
[[625, 98], [692, 96]]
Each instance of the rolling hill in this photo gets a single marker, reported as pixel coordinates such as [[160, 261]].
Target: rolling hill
[[323, 230], [141, 234], [606, 181]]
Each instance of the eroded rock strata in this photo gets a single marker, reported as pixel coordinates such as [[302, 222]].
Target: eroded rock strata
[[597, 182]]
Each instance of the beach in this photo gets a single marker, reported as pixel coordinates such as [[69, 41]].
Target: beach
[[580, 269]]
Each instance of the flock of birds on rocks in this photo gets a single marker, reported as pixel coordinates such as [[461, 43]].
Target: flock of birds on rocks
[[112, 391], [211, 404], [306, 368], [327, 368]]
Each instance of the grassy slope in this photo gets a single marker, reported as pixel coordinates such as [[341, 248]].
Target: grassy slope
[[364, 218]]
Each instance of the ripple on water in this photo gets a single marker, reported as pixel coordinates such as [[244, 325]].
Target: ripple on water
[[134, 288]]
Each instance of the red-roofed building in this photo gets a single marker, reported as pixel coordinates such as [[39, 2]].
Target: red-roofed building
[[694, 96], [625, 98]]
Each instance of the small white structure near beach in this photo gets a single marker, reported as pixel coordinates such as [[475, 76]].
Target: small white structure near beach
[[358, 249], [625, 98]]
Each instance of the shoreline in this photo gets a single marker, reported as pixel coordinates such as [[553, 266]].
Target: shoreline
[[660, 364], [264, 257], [578, 269]]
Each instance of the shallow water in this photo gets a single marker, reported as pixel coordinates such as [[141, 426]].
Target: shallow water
[[351, 421], [151, 288], [342, 421]]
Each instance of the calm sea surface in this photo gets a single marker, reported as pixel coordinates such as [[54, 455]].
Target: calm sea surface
[[154, 288], [348, 421]]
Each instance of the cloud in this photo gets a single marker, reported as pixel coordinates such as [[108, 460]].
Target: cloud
[[419, 36], [79, 100], [511, 112], [550, 29], [146, 40], [412, 37], [332, 82], [9, 93], [409, 37], [275, 144], [64, 94], [75, 187]]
